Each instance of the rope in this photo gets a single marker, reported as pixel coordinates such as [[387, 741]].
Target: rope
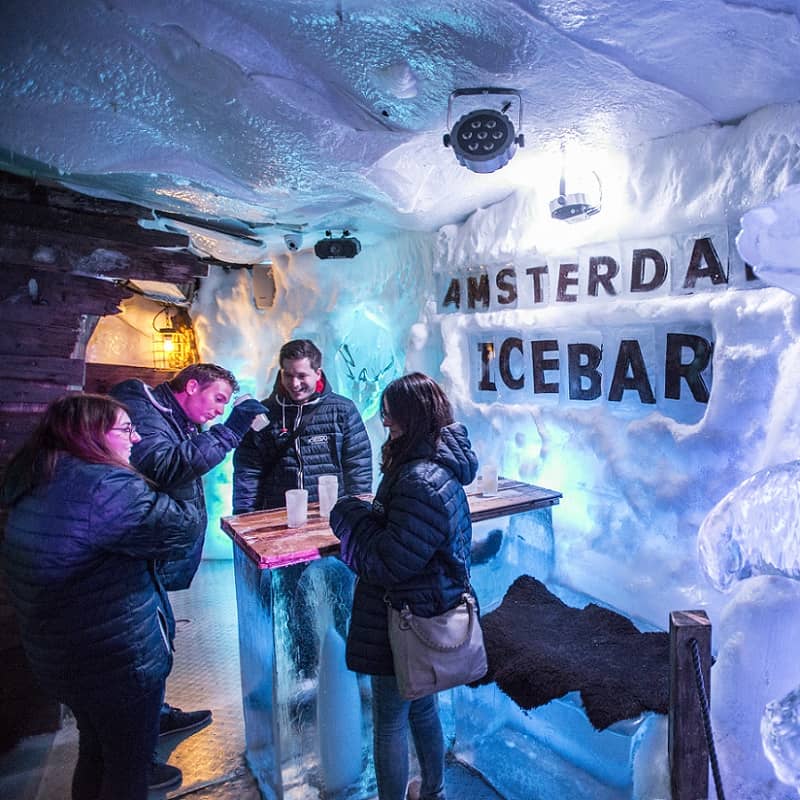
[[704, 708]]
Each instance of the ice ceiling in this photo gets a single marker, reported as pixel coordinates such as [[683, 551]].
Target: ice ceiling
[[270, 116]]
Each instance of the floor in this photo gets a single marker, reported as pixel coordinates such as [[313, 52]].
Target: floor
[[206, 675]]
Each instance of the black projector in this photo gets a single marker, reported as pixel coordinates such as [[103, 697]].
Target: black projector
[[343, 247]]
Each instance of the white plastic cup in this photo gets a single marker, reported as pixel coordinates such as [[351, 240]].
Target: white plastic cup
[[328, 487], [489, 480], [296, 508], [260, 421]]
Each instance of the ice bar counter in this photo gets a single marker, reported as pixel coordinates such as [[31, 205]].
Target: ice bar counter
[[307, 717]]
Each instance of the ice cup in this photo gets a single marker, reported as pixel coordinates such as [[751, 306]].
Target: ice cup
[[296, 508], [328, 487], [489, 480]]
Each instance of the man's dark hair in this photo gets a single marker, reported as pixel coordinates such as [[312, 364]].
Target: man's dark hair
[[301, 348], [203, 374]]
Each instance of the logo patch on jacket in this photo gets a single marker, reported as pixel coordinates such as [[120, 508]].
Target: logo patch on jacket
[[320, 438]]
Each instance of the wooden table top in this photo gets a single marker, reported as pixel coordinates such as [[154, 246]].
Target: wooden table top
[[265, 539]]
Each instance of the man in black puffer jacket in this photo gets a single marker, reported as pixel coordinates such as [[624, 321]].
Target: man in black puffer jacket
[[312, 432], [175, 454]]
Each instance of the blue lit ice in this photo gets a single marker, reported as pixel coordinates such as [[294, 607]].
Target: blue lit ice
[[780, 733], [754, 529], [550, 751], [636, 489]]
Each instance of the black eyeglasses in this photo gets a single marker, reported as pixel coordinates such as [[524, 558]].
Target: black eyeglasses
[[128, 428], [384, 414]]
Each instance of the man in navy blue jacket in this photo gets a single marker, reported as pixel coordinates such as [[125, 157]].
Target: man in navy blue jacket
[[174, 452]]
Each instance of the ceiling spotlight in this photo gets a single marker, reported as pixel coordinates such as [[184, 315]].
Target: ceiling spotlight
[[484, 139], [575, 206], [345, 246]]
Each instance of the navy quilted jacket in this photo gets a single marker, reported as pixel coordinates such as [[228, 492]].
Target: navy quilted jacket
[[175, 454], [77, 558], [411, 544], [333, 442]]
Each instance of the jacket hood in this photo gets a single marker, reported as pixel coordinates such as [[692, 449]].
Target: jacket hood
[[161, 398], [454, 451]]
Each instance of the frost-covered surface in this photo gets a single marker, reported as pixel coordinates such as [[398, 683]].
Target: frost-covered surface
[[754, 529], [276, 119], [636, 486], [331, 114], [770, 239], [780, 732], [755, 642]]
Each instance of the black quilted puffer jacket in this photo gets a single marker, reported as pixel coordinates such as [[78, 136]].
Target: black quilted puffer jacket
[[411, 544], [333, 441], [78, 562]]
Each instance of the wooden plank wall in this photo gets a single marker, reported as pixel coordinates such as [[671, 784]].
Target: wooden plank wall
[[63, 258], [101, 377]]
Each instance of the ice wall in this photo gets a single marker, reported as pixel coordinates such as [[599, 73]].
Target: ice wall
[[636, 485], [636, 488], [364, 314]]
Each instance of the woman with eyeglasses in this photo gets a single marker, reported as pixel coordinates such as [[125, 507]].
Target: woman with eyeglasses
[[83, 529], [411, 545]]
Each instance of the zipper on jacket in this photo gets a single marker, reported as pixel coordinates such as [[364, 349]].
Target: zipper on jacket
[[162, 627], [300, 467]]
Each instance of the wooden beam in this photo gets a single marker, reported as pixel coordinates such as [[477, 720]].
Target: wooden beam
[[101, 377], [63, 251], [37, 392], [40, 335], [18, 214], [59, 295], [44, 369], [688, 749], [45, 192]]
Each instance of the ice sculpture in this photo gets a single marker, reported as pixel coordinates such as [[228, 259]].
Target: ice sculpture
[[754, 529], [780, 736], [365, 360]]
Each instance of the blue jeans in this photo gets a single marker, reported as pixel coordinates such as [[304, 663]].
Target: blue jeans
[[115, 746], [392, 716]]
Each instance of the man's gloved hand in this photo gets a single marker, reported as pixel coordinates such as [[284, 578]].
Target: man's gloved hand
[[242, 415]]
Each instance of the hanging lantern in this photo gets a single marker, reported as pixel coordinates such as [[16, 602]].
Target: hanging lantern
[[174, 345]]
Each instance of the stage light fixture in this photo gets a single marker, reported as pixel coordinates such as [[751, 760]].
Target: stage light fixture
[[344, 246], [484, 140], [575, 206]]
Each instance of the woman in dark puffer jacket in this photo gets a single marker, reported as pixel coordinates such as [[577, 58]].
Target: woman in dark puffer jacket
[[82, 532], [412, 545]]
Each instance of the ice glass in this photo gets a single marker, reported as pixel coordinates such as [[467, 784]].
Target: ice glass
[[489, 482], [328, 487], [296, 507]]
